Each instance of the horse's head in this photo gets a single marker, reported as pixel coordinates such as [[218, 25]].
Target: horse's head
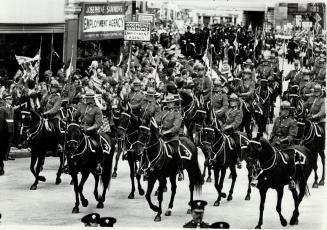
[[124, 122], [208, 139], [186, 98], [147, 136], [74, 136]]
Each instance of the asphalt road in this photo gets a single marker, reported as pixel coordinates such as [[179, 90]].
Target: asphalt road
[[51, 205]]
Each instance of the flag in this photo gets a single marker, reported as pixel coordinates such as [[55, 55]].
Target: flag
[[69, 70], [22, 59], [206, 56], [36, 66], [120, 59], [235, 43], [53, 52]]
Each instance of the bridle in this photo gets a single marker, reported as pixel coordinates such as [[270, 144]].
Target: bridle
[[77, 142]]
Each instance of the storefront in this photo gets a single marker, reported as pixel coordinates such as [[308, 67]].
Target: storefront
[[21, 32]]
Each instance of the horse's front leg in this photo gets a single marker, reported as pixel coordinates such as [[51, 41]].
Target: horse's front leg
[[263, 193], [162, 185], [234, 176], [322, 156], [32, 165], [84, 201], [151, 182], [173, 193], [131, 163], [119, 151], [95, 191], [280, 193], [248, 194], [59, 172], [75, 182], [139, 186]]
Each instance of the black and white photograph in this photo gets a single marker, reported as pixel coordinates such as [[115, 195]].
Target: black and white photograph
[[163, 114]]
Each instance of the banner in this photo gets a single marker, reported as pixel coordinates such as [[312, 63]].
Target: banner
[[137, 31], [102, 21], [145, 18]]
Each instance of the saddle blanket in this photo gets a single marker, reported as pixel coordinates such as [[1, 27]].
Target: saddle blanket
[[318, 129], [299, 157], [184, 152], [103, 142]]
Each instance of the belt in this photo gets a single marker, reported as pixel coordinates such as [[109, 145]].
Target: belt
[[10, 120]]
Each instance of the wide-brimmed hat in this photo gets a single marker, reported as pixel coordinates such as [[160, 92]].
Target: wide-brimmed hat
[[248, 62], [55, 84], [89, 95], [225, 69], [285, 105], [169, 99], [137, 82], [151, 92]]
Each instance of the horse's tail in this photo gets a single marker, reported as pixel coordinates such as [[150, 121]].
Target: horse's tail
[[195, 171], [105, 179], [301, 179]]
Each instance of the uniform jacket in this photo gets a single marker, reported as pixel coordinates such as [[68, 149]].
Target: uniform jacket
[[285, 127], [234, 117], [135, 99], [316, 106], [53, 105], [220, 103], [148, 109], [170, 120], [193, 224], [294, 76], [89, 115], [247, 87]]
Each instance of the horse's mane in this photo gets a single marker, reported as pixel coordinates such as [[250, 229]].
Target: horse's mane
[[265, 144], [186, 97]]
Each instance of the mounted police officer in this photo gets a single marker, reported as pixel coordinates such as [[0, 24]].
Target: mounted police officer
[[91, 120], [149, 106], [233, 120], [135, 97], [52, 109], [170, 121], [316, 106], [284, 131], [285, 128], [219, 101]]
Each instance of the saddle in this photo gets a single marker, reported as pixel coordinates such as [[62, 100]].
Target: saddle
[[183, 151], [230, 141]]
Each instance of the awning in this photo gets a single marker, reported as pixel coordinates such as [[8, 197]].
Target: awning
[[31, 28]]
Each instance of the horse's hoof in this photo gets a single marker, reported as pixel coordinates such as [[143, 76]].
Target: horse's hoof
[[257, 227], [248, 197], [294, 221], [283, 222], [131, 196], [33, 187], [42, 179], [168, 213], [188, 211], [208, 180], [75, 210], [156, 193], [114, 175], [217, 203], [165, 189], [315, 185], [85, 203], [141, 192], [100, 205], [71, 182], [322, 183], [157, 218], [230, 197], [58, 180], [223, 195]]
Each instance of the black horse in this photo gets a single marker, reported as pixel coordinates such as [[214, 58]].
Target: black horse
[[271, 169], [161, 164], [193, 115], [80, 152], [41, 140], [314, 139], [128, 132], [220, 152]]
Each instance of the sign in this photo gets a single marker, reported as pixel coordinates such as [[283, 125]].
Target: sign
[[306, 25], [145, 18], [137, 31], [102, 21]]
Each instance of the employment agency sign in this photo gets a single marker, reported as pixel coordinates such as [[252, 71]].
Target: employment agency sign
[[137, 31], [102, 21]]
